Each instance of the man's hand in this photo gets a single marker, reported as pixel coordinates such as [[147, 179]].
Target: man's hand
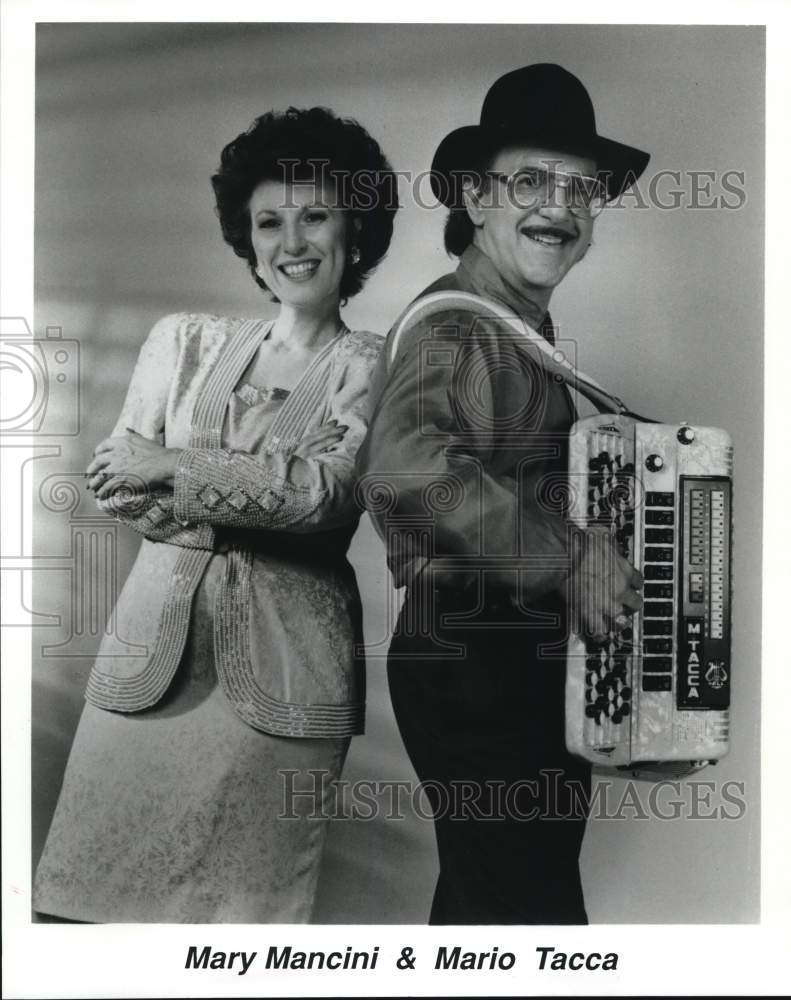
[[605, 588], [131, 463]]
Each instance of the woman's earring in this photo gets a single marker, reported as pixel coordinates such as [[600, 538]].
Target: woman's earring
[[354, 254]]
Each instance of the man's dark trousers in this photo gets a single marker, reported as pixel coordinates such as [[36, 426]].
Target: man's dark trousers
[[485, 734]]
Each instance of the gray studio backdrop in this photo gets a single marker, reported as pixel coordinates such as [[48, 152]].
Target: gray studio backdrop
[[666, 310]]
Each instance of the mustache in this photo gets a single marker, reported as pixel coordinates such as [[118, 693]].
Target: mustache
[[564, 234]]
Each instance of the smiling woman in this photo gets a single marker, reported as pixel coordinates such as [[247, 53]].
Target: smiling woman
[[309, 154], [299, 239], [233, 456]]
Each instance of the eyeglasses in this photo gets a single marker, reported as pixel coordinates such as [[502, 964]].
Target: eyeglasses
[[529, 186]]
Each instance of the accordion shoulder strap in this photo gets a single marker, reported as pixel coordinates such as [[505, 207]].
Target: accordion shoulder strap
[[553, 359]]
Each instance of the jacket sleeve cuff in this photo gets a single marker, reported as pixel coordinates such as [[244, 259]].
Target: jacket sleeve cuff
[[217, 486], [152, 515]]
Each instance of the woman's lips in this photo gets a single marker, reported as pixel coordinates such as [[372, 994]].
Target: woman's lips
[[300, 271]]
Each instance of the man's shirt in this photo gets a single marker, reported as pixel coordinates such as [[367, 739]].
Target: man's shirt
[[464, 464]]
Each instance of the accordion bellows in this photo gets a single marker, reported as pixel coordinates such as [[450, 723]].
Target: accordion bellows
[[654, 698]]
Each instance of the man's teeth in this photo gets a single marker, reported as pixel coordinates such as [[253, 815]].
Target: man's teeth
[[301, 270], [548, 239]]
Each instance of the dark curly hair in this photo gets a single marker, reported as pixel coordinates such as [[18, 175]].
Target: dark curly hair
[[459, 229], [309, 145]]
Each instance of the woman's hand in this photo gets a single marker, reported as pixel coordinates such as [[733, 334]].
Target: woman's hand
[[321, 440], [131, 462]]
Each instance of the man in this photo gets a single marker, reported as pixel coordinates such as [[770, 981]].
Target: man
[[460, 470]]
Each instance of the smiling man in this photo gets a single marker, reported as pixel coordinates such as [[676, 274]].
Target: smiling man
[[463, 471]]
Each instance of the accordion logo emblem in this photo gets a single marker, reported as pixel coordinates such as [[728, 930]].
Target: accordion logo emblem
[[716, 675]]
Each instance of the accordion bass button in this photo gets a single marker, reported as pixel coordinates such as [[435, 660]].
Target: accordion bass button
[[686, 435]]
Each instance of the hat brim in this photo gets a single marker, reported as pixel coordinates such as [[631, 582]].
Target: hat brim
[[461, 153]]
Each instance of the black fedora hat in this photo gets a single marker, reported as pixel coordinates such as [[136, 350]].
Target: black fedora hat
[[542, 105]]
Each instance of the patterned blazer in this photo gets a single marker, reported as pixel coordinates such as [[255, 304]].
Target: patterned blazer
[[287, 614]]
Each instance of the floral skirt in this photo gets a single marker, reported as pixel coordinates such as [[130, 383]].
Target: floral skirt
[[184, 814]]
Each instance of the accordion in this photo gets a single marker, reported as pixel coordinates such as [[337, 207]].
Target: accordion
[[654, 698]]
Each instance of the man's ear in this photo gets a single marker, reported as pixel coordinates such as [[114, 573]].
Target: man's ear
[[472, 202]]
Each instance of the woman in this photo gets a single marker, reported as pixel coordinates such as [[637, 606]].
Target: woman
[[233, 457]]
